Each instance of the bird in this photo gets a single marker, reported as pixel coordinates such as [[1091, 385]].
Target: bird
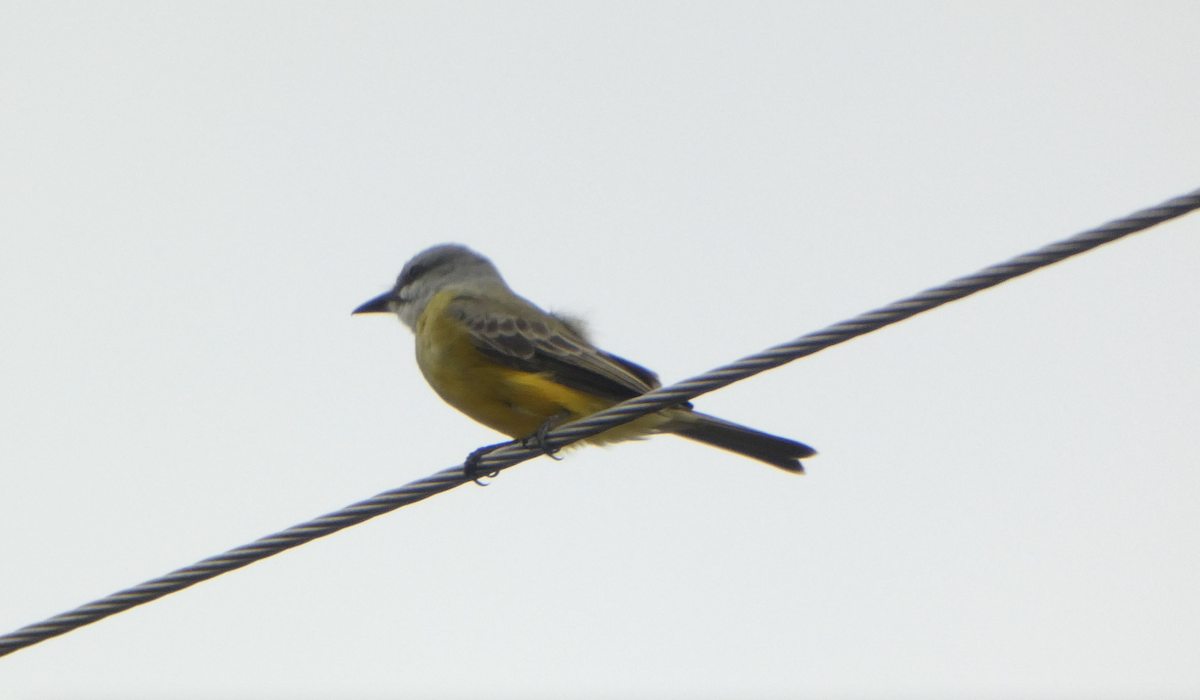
[[522, 371]]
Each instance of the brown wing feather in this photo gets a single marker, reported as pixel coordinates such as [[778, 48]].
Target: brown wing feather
[[526, 338]]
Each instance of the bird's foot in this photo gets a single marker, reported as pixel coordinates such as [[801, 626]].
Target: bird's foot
[[471, 468], [474, 472], [538, 439]]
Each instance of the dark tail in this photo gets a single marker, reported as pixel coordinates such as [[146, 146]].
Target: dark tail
[[776, 451]]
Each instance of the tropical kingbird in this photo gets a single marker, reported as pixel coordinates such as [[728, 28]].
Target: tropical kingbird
[[520, 370]]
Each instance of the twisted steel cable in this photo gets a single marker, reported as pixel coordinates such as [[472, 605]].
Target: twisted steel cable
[[515, 453]]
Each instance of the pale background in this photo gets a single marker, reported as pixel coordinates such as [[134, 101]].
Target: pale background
[[194, 197]]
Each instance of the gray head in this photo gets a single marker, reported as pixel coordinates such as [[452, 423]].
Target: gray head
[[428, 273]]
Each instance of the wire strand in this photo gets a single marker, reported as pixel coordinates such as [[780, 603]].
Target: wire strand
[[515, 453]]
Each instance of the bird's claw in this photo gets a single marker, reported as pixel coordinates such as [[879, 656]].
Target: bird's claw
[[538, 440], [471, 468]]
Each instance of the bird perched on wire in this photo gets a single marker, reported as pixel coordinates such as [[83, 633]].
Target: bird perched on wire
[[522, 371]]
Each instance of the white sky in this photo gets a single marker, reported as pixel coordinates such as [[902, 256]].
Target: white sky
[[194, 197]]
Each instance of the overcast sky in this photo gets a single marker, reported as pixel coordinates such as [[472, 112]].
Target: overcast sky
[[194, 197]]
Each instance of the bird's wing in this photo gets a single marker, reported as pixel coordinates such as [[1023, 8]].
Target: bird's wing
[[524, 337]]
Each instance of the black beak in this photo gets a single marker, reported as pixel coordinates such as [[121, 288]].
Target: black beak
[[378, 305]]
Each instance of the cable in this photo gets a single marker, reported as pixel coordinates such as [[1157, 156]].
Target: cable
[[515, 453]]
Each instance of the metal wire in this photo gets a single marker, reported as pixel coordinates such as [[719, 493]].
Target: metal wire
[[515, 453]]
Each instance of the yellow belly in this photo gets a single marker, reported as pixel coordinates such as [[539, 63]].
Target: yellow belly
[[508, 400]]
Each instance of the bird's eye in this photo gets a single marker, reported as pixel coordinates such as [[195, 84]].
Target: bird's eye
[[412, 273]]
